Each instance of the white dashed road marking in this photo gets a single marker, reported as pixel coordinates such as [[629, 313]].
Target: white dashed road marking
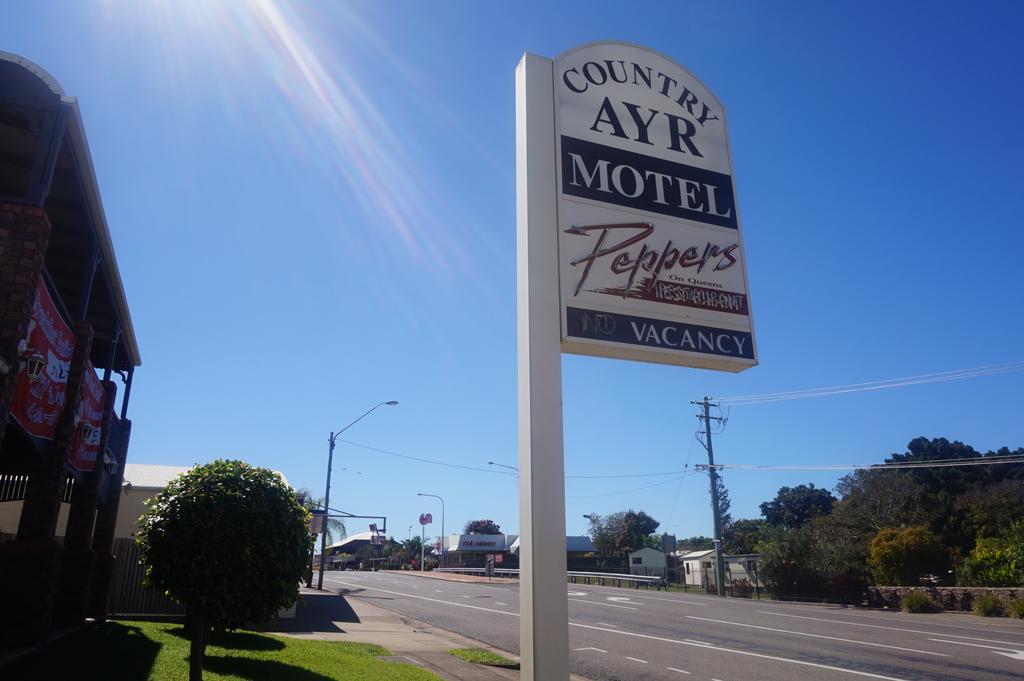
[[607, 605], [878, 626], [830, 638], [1008, 652], [589, 648], [636, 659], [673, 669]]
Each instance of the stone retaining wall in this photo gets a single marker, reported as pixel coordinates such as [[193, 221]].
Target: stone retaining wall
[[949, 597]]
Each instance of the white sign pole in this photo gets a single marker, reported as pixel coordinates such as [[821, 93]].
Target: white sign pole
[[544, 607]]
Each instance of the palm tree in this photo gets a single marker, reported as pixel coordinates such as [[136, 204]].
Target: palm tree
[[334, 527]]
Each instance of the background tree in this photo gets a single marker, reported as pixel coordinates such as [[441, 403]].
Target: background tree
[[833, 548], [900, 557], [616, 535], [873, 500], [698, 543], [794, 506], [411, 550], [229, 541], [724, 504], [996, 561], [784, 563], [943, 486], [742, 536], [334, 527], [991, 509], [481, 527]]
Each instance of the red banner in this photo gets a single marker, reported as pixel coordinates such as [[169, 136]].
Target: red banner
[[85, 446], [44, 359]]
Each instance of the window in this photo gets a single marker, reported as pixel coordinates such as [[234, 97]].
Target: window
[[637, 560], [687, 568]]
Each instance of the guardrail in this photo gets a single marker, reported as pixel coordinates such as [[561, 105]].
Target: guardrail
[[599, 577]]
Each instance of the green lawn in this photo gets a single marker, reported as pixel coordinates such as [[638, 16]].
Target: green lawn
[[138, 651], [481, 656]]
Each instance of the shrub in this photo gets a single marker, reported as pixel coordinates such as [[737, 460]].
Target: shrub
[[229, 541], [1016, 608], [898, 557], [742, 588], [993, 562], [919, 601], [988, 605]]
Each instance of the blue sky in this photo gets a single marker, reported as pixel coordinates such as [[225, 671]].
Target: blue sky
[[313, 210]]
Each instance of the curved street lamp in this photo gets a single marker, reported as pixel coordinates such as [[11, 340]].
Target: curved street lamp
[[511, 468], [331, 439], [443, 547]]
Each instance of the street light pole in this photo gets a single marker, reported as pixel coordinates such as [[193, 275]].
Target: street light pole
[[511, 468], [443, 547], [331, 439]]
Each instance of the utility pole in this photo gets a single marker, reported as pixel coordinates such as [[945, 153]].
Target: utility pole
[[713, 477]]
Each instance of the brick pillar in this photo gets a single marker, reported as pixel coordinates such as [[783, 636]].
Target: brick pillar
[[76, 568], [30, 564], [103, 536], [24, 235]]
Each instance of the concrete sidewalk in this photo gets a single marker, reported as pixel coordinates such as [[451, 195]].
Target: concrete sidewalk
[[329, 616]]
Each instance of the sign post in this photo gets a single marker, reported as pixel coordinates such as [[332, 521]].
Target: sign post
[[628, 246], [425, 519], [543, 600]]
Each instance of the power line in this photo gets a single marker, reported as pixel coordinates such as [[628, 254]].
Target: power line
[[626, 491], [625, 475], [448, 464], [423, 460], [938, 377], [905, 465], [686, 468]]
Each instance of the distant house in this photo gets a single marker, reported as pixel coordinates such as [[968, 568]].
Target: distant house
[[694, 565], [647, 561], [697, 568]]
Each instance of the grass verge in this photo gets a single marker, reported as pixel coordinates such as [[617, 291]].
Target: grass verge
[[141, 651], [480, 656]]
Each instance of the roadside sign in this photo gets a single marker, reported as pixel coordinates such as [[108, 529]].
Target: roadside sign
[[373, 527], [426, 518], [628, 234], [316, 522], [651, 259]]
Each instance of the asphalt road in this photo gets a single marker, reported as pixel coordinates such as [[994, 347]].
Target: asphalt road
[[628, 634]]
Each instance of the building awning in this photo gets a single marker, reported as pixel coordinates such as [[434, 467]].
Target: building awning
[[41, 128]]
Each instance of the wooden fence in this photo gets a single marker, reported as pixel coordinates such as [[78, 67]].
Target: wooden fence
[[127, 596]]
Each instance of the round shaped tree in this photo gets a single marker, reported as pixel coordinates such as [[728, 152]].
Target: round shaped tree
[[228, 540]]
